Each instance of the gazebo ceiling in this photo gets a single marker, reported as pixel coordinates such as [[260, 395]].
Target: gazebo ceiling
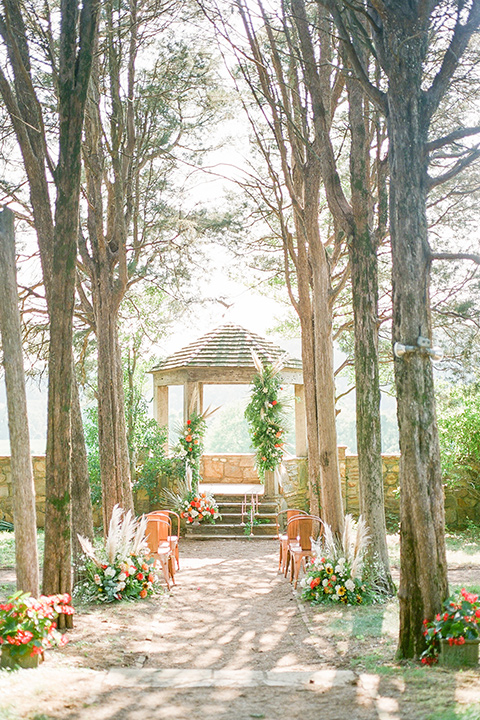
[[224, 356]]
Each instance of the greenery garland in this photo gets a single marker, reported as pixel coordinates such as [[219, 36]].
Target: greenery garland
[[265, 416]]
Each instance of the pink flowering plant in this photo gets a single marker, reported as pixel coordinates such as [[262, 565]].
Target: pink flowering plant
[[28, 625], [458, 622]]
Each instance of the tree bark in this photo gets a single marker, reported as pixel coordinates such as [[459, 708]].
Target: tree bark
[[364, 278], [423, 571], [24, 512], [57, 239], [82, 514]]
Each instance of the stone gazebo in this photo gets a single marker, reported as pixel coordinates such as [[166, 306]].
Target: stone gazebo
[[223, 357]]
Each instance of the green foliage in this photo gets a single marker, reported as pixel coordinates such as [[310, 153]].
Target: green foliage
[[459, 433], [90, 429], [264, 414], [152, 468]]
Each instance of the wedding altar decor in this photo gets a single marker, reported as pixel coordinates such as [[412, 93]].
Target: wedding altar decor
[[336, 573], [119, 569]]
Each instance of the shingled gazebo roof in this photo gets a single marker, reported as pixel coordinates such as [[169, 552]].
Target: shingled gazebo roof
[[224, 356]]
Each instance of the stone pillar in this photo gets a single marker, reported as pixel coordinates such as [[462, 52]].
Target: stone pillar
[[270, 484], [300, 422]]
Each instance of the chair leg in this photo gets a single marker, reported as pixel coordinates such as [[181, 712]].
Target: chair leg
[[164, 566]]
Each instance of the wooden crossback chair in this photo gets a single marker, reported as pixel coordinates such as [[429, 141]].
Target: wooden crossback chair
[[302, 528], [172, 539], [281, 520], [157, 534]]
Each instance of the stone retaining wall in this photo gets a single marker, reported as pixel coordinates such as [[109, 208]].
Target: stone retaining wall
[[461, 505], [228, 468]]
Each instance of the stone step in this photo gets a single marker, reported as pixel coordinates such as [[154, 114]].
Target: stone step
[[226, 529], [235, 518], [194, 536]]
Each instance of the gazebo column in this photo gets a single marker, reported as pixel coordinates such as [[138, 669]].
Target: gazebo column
[[192, 399], [300, 422], [160, 408]]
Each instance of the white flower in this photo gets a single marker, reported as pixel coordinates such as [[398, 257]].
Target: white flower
[[122, 577], [303, 582], [350, 585], [325, 582], [337, 588], [96, 579], [110, 571], [120, 586]]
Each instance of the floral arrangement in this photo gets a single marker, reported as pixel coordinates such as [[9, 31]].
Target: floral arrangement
[[458, 622], [28, 625], [191, 440], [200, 508], [120, 570], [335, 574], [264, 414]]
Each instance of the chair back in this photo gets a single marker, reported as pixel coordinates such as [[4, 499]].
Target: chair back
[[167, 514], [158, 530], [284, 516], [302, 528]]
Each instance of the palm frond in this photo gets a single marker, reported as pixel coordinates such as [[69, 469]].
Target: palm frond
[[209, 412], [279, 364], [256, 361], [139, 541], [361, 543], [88, 549], [329, 542], [114, 533]]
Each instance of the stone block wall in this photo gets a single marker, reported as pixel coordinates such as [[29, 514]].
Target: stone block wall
[[228, 468], [461, 505], [6, 495]]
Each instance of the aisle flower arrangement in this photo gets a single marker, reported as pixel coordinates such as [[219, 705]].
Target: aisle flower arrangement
[[120, 569], [28, 625], [458, 622], [335, 573], [265, 416], [199, 508]]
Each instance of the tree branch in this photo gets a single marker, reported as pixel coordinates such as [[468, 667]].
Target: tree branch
[[451, 59], [457, 168], [452, 137], [456, 256], [376, 96]]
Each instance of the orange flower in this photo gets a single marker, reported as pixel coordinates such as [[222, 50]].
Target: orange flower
[[143, 593], [188, 438]]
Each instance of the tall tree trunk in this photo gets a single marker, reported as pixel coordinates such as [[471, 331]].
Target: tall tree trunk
[[24, 512], [112, 435], [423, 571], [364, 276], [82, 514]]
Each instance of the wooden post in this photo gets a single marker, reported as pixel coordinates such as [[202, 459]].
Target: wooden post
[[192, 399], [160, 408], [24, 513]]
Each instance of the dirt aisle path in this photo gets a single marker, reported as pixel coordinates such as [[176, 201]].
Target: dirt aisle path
[[228, 643]]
